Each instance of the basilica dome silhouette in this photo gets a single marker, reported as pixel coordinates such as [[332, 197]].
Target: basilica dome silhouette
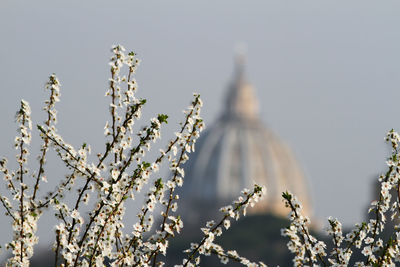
[[237, 151]]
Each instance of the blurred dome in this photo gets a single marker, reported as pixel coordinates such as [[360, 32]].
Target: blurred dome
[[238, 151]]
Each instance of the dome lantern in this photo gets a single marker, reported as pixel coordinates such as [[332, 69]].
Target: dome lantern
[[241, 102]]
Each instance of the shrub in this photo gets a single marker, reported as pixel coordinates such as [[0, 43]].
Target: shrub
[[118, 174], [366, 237]]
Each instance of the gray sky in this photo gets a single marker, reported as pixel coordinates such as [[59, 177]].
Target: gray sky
[[326, 73]]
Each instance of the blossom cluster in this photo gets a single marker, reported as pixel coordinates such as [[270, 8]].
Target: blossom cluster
[[366, 237], [120, 174], [25, 213]]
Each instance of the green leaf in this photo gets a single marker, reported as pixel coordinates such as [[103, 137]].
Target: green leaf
[[162, 118]]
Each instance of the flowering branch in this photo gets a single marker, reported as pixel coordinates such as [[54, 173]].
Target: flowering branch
[[212, 229], [365, 237]]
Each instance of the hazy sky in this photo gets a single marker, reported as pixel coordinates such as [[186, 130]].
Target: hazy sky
[[326, 74]]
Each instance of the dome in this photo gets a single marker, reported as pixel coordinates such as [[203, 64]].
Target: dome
[[238, 151]]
